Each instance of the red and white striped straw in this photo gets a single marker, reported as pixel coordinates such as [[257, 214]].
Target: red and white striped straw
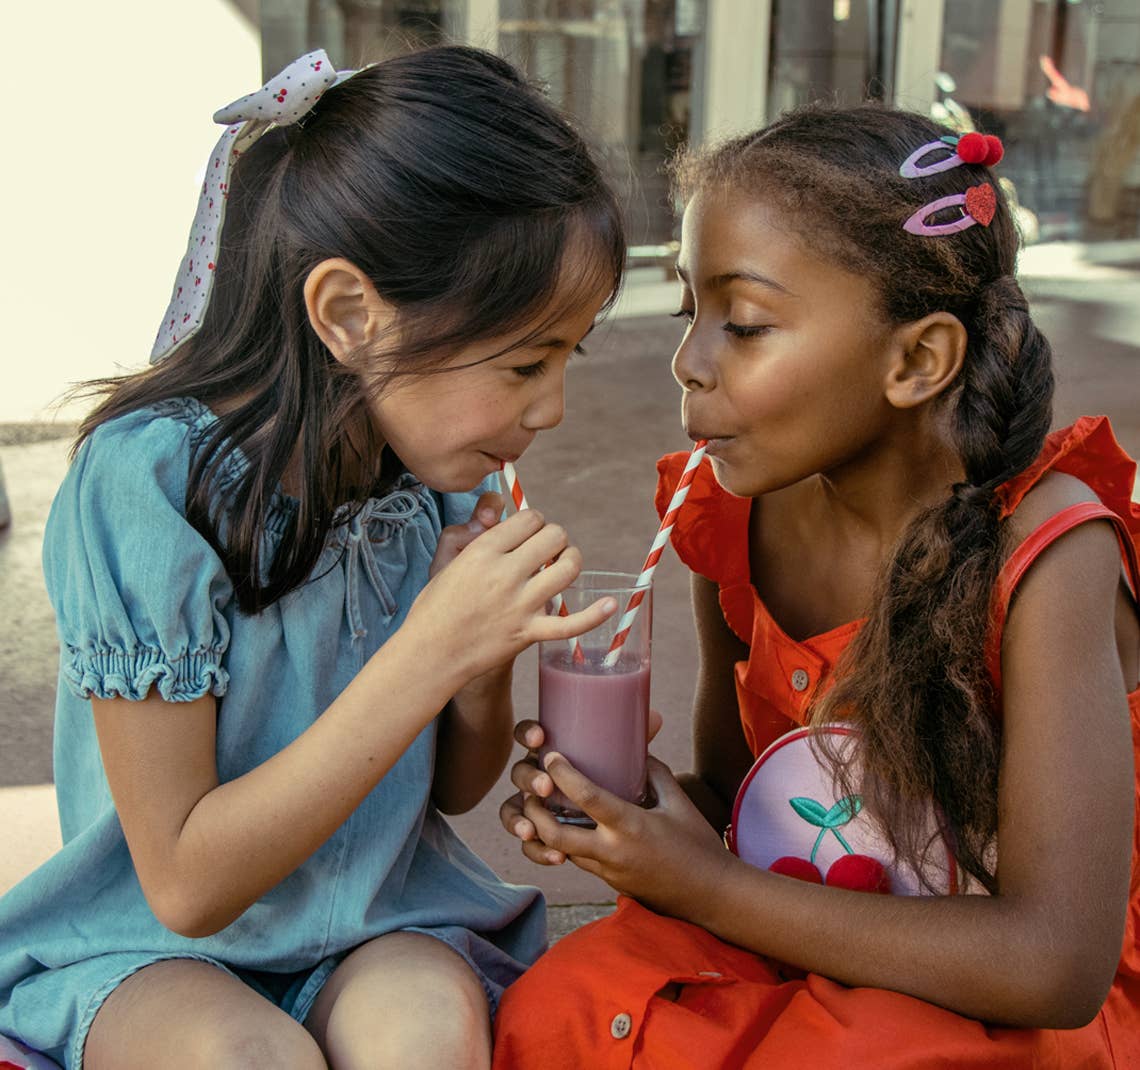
[[510, 480], [655, 552]]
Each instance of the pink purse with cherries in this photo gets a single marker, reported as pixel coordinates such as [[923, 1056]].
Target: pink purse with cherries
[[787, 819]]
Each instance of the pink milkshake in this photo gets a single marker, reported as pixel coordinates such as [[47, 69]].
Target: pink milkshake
[[597, 718]]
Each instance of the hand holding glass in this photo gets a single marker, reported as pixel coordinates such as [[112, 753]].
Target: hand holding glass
[[594, 715]]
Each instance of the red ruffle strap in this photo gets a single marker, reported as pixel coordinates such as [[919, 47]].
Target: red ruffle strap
[[710, 534], [1088, 450]]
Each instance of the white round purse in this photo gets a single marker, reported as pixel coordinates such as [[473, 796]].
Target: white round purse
[[787, 818]]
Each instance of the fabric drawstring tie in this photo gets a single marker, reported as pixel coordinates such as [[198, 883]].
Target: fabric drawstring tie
[[283, 100], [399, 505]]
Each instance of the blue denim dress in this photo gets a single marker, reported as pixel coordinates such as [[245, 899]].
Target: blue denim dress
[[143, 601]]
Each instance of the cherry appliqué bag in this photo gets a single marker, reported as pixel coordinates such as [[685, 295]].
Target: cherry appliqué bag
[[787, 819]]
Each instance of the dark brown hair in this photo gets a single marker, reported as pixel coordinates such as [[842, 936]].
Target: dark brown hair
[[457, 188], [914, 678]]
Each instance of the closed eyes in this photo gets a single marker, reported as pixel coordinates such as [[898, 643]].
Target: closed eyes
[[531, 371], [737, 330]]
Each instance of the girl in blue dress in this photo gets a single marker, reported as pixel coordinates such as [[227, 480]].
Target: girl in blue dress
[[287, 606]]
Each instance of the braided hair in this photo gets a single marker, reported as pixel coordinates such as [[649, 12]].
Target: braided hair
[[914, 677]]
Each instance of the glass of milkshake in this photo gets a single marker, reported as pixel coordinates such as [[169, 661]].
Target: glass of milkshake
[[598, 715]]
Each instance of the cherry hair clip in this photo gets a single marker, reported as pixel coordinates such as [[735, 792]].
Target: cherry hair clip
[[977, 204], [984, 149]]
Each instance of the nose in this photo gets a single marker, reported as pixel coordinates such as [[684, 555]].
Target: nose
[[546, 408], [692, 367]]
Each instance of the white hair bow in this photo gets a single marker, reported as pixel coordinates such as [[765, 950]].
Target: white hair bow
[[281, 101]]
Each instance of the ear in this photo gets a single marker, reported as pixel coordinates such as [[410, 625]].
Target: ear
[[344, 307], [928, 355]]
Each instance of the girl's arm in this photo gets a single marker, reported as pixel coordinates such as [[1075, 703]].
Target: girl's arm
[[204, 851], [720, 754], [1043, 951], [474, 741]]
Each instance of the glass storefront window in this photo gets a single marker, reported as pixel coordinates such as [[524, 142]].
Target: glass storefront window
[[828, 50], [1059, 82], [355, 32], [624, 70]]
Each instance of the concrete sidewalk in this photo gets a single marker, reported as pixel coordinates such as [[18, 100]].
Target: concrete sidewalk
[[596, 474]]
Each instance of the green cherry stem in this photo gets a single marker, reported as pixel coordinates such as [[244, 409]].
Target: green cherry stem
[[839, 837]]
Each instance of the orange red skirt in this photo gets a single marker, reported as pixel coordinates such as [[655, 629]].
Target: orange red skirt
[[638, 991]]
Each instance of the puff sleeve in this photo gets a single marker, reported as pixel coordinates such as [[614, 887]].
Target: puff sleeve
[[140, 596]]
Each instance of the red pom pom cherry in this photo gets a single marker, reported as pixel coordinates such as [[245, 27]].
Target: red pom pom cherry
[[994, 150], [859, 873], [800, 868], [972, 147]]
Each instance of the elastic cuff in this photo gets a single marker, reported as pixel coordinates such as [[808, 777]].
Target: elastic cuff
[[115, 674]]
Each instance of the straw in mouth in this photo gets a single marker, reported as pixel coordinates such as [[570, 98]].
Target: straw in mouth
[[655, 552]]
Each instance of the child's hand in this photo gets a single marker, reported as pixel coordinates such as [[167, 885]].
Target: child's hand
[[486, 601], [667, 857], [530, 779], [486, 514]]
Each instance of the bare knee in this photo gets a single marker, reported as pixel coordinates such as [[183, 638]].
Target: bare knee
[[445, 1025], [238, 1045], [405, 1001], [191, 1015]]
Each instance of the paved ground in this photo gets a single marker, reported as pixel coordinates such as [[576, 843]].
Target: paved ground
[[596, 474]]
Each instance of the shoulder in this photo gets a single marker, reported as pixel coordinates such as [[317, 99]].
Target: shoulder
[[1052, 493], [126, 486], [148, 448], [710, 531]]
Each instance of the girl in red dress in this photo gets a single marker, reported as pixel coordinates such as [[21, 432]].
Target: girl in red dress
[[886, 533]]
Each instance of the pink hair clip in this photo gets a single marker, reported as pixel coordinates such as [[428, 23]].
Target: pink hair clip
[[984, 149], [978, 205]]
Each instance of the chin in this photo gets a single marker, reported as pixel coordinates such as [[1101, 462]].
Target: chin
[[732, 479], [457, 480]]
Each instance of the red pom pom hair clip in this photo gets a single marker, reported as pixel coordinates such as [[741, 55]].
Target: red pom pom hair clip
[[978, 204], [984, 149]]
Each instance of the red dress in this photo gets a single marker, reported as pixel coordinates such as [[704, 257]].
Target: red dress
[[591, 1002]]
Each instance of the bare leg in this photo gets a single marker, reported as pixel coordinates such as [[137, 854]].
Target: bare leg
[[404, 1001], [182, 1014]]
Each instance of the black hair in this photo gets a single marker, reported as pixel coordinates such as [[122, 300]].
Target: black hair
[[457, 188]]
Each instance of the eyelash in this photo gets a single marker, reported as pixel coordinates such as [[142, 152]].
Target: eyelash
[[532, 371], [737, 330]]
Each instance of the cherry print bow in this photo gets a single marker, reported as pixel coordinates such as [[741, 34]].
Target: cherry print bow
[[283, 100]]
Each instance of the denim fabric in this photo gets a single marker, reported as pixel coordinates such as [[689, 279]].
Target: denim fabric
[[142, 600]]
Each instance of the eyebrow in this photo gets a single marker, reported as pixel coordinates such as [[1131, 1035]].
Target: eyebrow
[[559, 343], [718, 281]]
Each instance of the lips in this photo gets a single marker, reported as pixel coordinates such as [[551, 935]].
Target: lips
[[501, 457], [713, 440]]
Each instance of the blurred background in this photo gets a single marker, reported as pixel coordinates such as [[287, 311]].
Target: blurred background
[[108, 123]]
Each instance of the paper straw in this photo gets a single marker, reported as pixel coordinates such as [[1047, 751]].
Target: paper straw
[[510, 481], [655, 552]]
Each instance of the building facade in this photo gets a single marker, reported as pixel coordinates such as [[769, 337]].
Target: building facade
[[1058, 80]]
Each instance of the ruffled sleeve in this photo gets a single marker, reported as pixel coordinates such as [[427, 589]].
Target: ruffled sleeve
[[711, 531], [139, 595], [1087, 449]]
